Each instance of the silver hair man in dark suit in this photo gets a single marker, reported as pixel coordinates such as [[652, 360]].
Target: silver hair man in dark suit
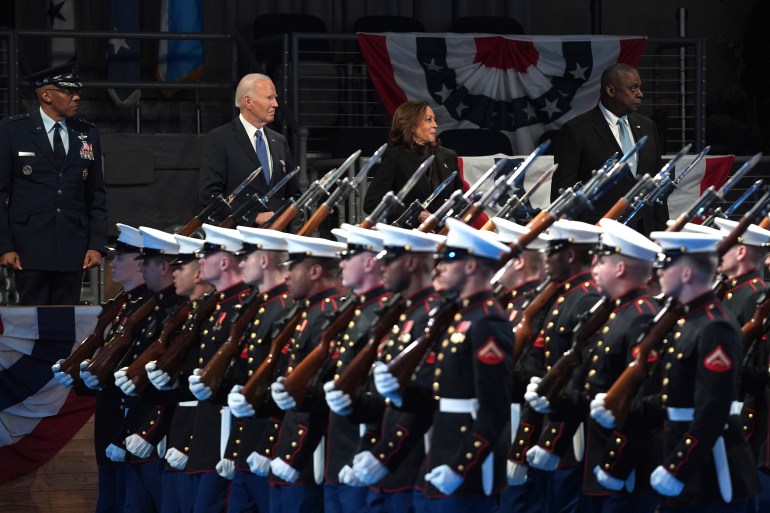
[[237, 148]]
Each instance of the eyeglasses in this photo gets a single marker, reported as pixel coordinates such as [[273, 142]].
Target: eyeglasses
[[65, 90]]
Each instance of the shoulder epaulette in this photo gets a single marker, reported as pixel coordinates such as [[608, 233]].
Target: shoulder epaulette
[[85, 121], [16, 117]]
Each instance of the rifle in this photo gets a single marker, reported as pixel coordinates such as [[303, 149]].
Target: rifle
[[710, 196], [522, 332], [354, 375], [317, 190], [758, 211], [644, 187], [727, 214], [514, 202], [410, 216], [255, 388], [107, 359], [214, 371], [172, 359], [459, 199], [404, 364], [621, 394], [218, 202], [136, 371], [246, 212], [344, 190], [389, 199], [589, 322], [86, 349], [501, 186], [755, 327], [299, 379]]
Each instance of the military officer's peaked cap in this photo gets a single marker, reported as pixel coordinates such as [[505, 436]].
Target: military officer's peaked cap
[[358, 240], [618, 238], [220, 239], [683, 243], [753, 236], [129, 240], [262, 239], [188, 249], [157, 242], [695, 228], [301, 247], [572, 232], [463, 240], [63, 75], [398, 241], [510, 232]]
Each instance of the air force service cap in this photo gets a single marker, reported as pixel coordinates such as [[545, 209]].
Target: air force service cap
[[619, 239], [463, 240], [129, 240], [399, 241], [63, 75]]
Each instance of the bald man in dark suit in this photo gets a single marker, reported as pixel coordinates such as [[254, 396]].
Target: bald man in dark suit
[[584, 143], [232, 150]]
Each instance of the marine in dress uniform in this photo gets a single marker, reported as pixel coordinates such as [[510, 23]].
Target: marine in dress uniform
[[707, 464], [391, 457], [296, 467], [219, 266], [53, 215], [148, 415], [262, 256], [472, 376], [560, 445]]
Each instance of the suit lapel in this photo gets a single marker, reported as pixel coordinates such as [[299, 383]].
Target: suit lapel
[[41, 138], [74, 146], [279, 166], [243, 140], [603, 131]]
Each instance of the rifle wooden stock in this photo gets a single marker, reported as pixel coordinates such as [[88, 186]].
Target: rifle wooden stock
[[366, 223], [617, 209], [522, 332], [228, 222], [354, 376], [86, 349], [312, 224], [731, 239], [255, 388], [192, 225], [678, 224], [299, 379], [404, 365], [107, 359], [765, 223], [429, 225], [559, 375], [136, 371], [214, 371], [621, 394], [472, 214], [489, 226], [755, 327], [285, 218], [173, 357]]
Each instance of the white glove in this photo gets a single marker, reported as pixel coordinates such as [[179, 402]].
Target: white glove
[[387, 384], [238, 404], [339, 402], [283, 470], [115, 453], [542, 459], [176, 458], [138, 446], [607, 481], [600, 413], [446, 480], [516, 473], [198, 389], [258, 464], [62, 378], [282, 398], [348, 477], [368, 468], [225, 468], [159, 379], [89, 379], [538, 403], [663, 482], [122, 381]]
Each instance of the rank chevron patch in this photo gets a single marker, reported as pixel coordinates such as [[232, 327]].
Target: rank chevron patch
[[490, 353], [718, 361]]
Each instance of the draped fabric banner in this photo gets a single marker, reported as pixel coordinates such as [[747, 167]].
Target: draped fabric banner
[[713, 170], [180, 59], [37, 415], [521, 85]]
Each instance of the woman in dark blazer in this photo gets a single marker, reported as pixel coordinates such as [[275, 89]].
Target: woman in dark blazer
[[411, 140]]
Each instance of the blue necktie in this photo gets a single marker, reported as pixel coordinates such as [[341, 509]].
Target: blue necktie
[[626, 144], [264, 160], [59, 154]]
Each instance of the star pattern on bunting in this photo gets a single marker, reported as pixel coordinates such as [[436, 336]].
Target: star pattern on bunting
[[54, 11]]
